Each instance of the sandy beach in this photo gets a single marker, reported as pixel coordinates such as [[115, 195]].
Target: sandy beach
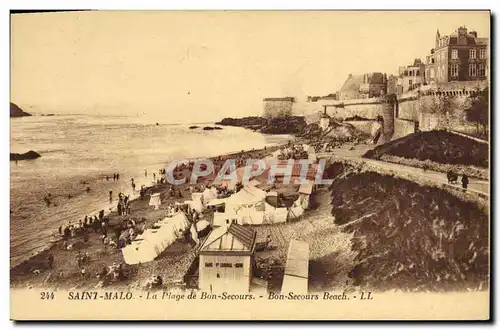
[[171, 265]]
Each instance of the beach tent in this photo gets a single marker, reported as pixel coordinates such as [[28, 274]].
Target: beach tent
[[217, 202], [275, 214], [296, 275], [208, 195], [224, 218], [147, 246], [250, 216], [248, 195], [296, 210], [197, 202], [155, 201], [305, 191]]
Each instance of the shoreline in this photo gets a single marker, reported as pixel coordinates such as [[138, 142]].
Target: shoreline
[[21, 273]]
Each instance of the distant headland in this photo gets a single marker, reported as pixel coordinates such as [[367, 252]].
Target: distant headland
[[16, 111], [26, 156]]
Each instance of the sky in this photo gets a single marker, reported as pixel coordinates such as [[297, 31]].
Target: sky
[[202, 66]]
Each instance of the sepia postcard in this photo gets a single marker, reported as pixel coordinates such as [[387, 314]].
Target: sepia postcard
[[250, 165]]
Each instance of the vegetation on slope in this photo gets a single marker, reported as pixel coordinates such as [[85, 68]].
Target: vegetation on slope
[[438, 146], [407, 236]]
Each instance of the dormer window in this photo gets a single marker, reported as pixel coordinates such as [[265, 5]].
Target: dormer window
[[472, 53], [454, 54]]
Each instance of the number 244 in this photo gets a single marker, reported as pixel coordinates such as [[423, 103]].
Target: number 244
[[47, 295]]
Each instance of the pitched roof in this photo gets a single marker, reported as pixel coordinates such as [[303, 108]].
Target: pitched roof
[[235, 239], [246, 235], [352, 84]]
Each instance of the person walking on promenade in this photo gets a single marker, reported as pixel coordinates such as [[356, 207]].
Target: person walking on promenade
[[465, 181]]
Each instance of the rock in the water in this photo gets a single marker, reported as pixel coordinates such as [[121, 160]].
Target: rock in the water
[[26, 156], [193, 127], [15, 111]]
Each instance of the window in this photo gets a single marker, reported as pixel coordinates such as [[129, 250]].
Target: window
[[454, 54], [209, 264], [410, 83], [472, 70], [226, 265], [238, 265], [482, 70], [431, 73], [454, 70], [472, 53], [482, 53]]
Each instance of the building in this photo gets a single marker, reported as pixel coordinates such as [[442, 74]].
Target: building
[[296, 275], [392, 81], [226, 259], [363, 86], [410, 77], [460, 56], [278, 106]]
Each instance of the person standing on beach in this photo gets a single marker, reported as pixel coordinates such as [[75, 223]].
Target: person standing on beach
[[110, 196], [154, 177], [117, 176], [145, 173], [50, 260]]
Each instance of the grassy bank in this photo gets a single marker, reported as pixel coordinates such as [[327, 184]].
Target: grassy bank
[[439, 147], [407, 236]]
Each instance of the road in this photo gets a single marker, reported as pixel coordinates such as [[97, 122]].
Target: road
[[477, 186]]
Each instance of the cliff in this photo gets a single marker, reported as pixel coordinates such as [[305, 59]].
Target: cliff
[[15, 111]]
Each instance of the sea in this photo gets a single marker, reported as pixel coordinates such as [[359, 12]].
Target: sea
[[79, 151]]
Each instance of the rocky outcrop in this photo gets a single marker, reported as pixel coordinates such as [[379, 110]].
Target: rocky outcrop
[[193, 127], [278, 125], [246, 122], [210, 128], [26, 156], [285, 125], [16, 111]]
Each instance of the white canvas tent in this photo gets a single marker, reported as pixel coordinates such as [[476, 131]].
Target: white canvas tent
[[152, 242], [208, 195], [197, 202], [305, 191], [248, 196], [155, 201], [224, 218]]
